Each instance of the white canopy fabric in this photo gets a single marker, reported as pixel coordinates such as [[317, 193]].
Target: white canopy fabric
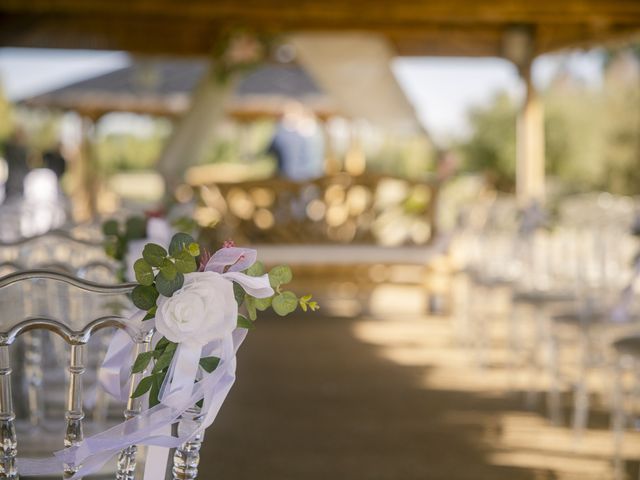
[[355, 70], [191, 133]]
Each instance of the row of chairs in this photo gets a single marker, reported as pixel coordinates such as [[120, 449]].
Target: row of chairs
[[563, 293]]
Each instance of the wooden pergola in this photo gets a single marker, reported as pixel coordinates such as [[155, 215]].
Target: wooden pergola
[[517, 30], [415, 27]]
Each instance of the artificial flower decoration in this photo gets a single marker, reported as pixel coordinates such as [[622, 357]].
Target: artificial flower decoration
[[202, 311], [195, 300], [197, 307]]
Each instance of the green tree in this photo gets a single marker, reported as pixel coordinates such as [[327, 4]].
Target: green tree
[[491, 148], [592, 134]]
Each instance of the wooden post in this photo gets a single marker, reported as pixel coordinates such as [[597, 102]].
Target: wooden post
[[331, 162], [518, 45], [530, 155], [84, 193], [355, 162]]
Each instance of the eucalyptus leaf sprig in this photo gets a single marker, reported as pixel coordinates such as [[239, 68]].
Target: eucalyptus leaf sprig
[[160, 272], [283, 302]]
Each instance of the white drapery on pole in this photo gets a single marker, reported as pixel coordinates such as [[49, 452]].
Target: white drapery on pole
[[355, 70], [191, 132]]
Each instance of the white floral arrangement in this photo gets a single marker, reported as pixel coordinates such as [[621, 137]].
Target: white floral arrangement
[[195, 308], [196, 298]]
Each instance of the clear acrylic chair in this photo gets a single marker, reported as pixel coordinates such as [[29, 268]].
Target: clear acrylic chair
[[626, 394], [54, 247], [76, 333], [42, 355]]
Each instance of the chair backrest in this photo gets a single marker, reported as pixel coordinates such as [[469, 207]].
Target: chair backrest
[[54, 247], [40, 358], [76, 334]]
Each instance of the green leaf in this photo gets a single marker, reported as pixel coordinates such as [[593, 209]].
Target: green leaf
[[209, 364], [280, 275], [165, 358], [306, 303], [143, 387], [179, 242], [193, 249], [161, 345], [185, 263], [168, 269], [256, 269], [167, 287], [136, 227], [185, 224], [154, 254], [142, 361], [121, 248], [110, 227], [238, 293], [285, 303], [144, 297], [111, 248], [144, 272], [155, 389], [263, 303], [151, 313], [244, 322], [250, 303]]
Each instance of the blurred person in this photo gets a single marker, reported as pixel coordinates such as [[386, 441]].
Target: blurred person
[[42, 208], [55, 161], [298, 144], [15, 154], [447, 164]]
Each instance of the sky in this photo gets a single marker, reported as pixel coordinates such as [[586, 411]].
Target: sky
[[441, 89]]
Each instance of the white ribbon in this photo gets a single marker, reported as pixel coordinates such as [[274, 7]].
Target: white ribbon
[[148, 428], [114, 375]]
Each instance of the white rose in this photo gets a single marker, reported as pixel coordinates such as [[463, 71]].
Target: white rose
[[203, 310]]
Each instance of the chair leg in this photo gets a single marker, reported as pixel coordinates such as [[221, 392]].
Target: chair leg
[[581, 399], [533, 389], [554, 401], [8, 439], [186, 458], [126, 464], [515, 345], [618, 421]]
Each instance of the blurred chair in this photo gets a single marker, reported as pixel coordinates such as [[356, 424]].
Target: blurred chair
[[53, 247], [488, 275], [626, 393]]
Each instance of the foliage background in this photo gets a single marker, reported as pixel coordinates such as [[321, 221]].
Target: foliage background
[[592, 133]]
